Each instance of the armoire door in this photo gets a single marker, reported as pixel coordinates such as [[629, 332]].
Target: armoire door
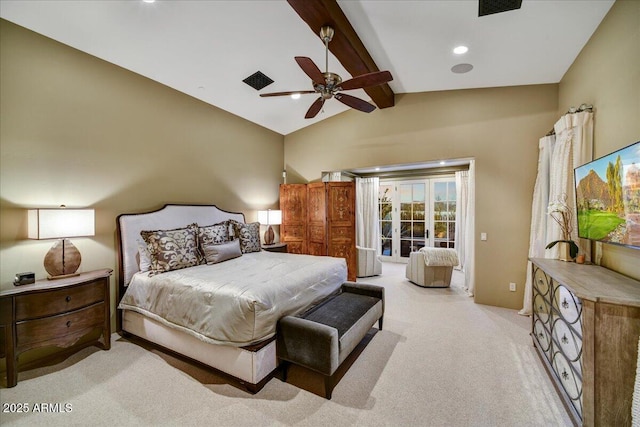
[[341, 224], [293, 230], [317, 219]]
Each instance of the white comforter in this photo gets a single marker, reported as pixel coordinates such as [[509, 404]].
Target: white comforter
[[236, 302]]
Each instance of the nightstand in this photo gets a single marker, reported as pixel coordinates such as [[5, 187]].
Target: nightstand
[[54, 313], [276, 247]]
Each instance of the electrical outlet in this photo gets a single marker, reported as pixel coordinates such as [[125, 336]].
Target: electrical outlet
[[512, 287]]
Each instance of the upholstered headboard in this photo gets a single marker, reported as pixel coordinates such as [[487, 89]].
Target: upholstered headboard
[[168, 217]]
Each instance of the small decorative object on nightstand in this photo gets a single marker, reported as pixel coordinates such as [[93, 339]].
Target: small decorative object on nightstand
[[54, 313], [276, 247]]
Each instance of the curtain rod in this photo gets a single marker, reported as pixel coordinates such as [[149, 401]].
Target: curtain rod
[[573, 110]]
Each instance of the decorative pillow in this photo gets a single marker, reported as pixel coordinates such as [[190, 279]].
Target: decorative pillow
[[172, 249], [214, 254], [144, 257], [214, 234], [249, 235], [233, 225]]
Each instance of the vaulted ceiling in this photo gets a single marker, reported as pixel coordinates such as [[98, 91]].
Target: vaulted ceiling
[[206, 48]]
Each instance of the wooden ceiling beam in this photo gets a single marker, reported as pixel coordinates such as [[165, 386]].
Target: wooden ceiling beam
[[346, 46]]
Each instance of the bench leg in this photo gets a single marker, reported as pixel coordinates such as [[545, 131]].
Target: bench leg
[[380, 323], [285, 370], [328, 386]]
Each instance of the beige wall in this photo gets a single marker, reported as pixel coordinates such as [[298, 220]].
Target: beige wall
[[83, 132], [79, 131], [498, 127], [607, 75]]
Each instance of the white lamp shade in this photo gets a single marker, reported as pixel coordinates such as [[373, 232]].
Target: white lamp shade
[[270, 217], [60, 223]]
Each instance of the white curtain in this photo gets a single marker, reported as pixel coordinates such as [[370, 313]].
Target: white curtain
[[462, 197], [367, 227], [574, 136], [538, 234], [573, 148], [469, 235]]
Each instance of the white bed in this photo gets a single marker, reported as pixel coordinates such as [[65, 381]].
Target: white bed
[[251, 293]]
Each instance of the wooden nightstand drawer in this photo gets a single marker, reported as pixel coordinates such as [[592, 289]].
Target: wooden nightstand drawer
[[54, 313], [38, 305], [62, 330]]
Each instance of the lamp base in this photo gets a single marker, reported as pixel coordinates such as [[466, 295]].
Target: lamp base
[[62, 260], [269, 236]]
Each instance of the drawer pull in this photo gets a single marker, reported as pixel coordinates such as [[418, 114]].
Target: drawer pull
[[68, 323], [565, 304], [564, 339], [68, 298]]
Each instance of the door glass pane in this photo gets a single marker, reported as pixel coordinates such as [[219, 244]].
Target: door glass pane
[[385, 203], [386, 247], [405, 248], [386, 229], [418, 193], [444, 212], [440, 191], [412, 216], [405, 229], [452, 191], [405, 211]]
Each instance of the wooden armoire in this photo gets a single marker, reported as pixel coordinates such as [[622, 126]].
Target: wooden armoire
[[320, 219]]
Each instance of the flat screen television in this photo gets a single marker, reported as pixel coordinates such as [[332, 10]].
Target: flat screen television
[[608, 198]]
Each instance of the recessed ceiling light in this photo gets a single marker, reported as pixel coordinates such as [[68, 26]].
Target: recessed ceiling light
[[377, 169], [443, 162], [459, 50], [461, 68], [295, 96], [149, 1]]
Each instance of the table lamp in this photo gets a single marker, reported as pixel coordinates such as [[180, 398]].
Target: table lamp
[[269, 217], [63, 259]]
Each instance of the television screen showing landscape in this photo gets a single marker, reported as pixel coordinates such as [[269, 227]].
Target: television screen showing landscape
[[608, 198]]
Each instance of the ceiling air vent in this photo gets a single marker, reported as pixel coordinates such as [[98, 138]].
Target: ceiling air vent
[[489, 7], [258, 80]]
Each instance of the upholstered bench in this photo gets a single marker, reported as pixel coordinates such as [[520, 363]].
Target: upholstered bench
[[321, 338]]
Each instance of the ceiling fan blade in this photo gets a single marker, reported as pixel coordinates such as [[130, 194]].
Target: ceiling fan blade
[[366, 80], [301, 92], [310, 69], [354, 102], [315, 108]]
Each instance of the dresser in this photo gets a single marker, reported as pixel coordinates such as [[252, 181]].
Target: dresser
[[54, 313], [585, 328]]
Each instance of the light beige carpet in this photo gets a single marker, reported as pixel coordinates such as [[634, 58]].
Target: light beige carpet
[[441, 360]]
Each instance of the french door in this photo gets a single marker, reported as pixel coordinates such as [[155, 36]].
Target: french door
[[414, 214]]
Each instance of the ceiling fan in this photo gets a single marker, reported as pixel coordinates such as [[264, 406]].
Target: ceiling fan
[[330, 85]]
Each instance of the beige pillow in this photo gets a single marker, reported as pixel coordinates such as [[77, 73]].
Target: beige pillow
[[214, 254]]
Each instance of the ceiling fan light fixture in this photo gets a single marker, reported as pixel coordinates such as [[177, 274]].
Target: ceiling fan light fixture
[[330, 85]]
